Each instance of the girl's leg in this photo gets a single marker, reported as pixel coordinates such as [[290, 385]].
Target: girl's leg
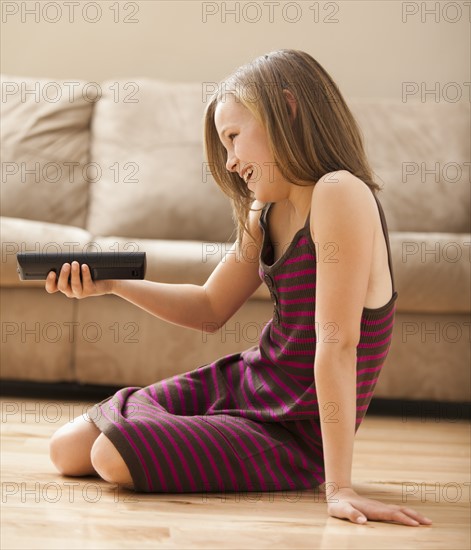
[[80, 449], [70, 447], [109, 463]]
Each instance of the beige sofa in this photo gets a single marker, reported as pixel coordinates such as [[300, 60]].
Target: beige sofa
[[127, 172]]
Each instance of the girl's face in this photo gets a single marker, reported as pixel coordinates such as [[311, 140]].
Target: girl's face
[[246, 143]]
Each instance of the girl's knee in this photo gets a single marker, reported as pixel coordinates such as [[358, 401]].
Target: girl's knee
[[60, 452], [108, 463], [69, 447]]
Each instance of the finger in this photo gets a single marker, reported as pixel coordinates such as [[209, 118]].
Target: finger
[[63, 282], [345, 510], [88, 284], [416, 515], [391, 513], [51, 282], [76, 283], [399, 517]]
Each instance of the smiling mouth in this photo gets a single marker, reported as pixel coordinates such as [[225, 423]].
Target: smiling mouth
[[248, 175]]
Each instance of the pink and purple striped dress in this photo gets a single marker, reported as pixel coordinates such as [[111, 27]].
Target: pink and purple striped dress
[[249, 421]]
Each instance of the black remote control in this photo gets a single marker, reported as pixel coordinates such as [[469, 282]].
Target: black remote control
[[103, 265]]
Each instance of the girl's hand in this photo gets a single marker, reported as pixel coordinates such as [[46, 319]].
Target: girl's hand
[[77, 288], [347, 504]]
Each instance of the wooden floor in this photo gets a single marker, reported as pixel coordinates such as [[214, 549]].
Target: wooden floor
[[423, 464]]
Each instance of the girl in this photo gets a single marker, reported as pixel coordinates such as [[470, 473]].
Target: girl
[[283, 145]]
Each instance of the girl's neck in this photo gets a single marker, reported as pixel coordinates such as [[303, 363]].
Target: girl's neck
[[297, 205]]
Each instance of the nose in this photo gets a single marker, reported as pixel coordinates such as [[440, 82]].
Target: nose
[[231, 164]]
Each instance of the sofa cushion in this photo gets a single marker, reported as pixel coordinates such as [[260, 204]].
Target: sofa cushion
[[158, 188], [168, 261], [178, 262], [19, 235], [44, 149], [432, 272], [420, 154]]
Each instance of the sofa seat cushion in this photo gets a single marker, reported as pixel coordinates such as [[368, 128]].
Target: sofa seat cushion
[[181, 262], [168, 261], [435, 282], [45, 135], [432, 271], [19, 235]]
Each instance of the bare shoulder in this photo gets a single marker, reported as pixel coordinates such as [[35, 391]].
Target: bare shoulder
[[342, 182], [343, 197]]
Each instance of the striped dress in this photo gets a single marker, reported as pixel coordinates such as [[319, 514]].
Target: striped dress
[[248, 421]]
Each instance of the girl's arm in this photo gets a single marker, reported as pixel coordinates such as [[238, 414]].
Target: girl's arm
[[343, 213], [201, 307]]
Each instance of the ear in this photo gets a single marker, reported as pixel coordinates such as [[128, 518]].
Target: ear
[[292, 104]]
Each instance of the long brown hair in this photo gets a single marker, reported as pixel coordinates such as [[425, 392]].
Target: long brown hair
[[323, 138]]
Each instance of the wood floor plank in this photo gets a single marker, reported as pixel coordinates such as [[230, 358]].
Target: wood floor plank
[[419, 463]]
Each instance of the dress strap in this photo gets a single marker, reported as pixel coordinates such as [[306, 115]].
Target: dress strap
[[386, 238]]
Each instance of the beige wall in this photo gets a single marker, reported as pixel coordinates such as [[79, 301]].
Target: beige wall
[[366, 47]]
